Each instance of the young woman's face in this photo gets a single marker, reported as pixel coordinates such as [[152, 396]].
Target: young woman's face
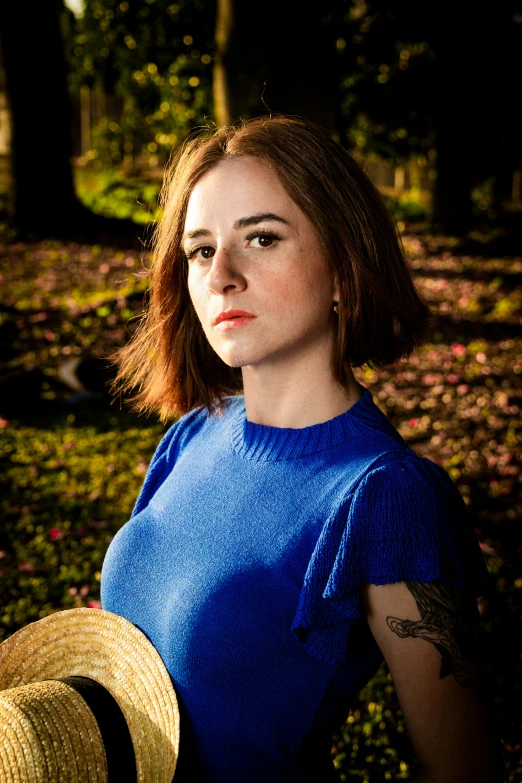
[[256, 251]]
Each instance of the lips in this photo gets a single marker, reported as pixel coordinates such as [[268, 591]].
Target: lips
[[233, 323], [228, 315]]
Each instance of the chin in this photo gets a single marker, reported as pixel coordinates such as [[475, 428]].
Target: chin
[[236, 359], [234, 364]]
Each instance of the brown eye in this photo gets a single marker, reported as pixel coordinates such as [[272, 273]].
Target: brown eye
[[204, 249], [265, 239]]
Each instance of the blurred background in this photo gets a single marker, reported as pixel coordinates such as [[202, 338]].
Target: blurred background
[[94, 97], [423, 96]]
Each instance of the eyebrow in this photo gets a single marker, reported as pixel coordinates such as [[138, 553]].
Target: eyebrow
[[243, 222]]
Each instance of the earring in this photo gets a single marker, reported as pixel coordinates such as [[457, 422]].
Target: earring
[[336, 306]]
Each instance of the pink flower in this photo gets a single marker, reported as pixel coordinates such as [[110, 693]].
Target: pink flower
[[458, 349], [55, 533], [3, 423], [73, 590], [463, 388], [26, 567], [94, 605], [49, 335], [37, 317], [84, 590], [453, 378], [431, 378]]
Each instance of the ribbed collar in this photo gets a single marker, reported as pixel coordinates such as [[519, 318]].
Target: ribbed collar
[[261, 443]]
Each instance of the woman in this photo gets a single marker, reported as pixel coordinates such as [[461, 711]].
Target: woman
[[286, 538]]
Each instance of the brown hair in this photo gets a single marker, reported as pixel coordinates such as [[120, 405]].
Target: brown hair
[[382, 318]]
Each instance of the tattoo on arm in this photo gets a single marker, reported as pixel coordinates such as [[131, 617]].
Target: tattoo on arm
[[450, 621]]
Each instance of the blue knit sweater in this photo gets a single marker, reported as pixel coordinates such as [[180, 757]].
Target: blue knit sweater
[[242, 564]]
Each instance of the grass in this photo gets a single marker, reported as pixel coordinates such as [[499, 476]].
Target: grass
[[71, 467], [114, 193]]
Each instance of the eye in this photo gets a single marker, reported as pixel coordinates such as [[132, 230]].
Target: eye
[[189, 255], [263, 237]]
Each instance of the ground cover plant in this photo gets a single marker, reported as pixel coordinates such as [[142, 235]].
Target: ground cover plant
[[114, 192], [119, 194], [71, 464]]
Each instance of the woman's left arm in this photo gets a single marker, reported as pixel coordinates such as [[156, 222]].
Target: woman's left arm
[[429, 635]]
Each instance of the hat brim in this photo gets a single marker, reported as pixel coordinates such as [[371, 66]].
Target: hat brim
[[111, 650]]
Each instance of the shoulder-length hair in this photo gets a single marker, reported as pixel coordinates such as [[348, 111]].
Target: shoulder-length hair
[[381, 316]]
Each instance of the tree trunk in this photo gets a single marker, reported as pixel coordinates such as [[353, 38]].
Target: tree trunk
[[43, 201], [280, 59], [452, 207], [36, 79], [220, 81], [465, 129]]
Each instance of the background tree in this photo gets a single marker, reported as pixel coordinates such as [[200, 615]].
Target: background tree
[[41, 119], [155, 56], [142, 52], [43, 200], [285, 61], [386, 79], [436, 77]]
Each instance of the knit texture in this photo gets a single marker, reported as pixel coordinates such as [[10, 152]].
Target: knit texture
[[243, 561]]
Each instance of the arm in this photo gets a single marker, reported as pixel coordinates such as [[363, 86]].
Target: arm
[[429, 635]]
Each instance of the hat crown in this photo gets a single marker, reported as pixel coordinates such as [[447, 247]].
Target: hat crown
[[101, 646], [50, 721]]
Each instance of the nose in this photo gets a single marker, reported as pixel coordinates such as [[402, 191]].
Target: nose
[[223, 271]]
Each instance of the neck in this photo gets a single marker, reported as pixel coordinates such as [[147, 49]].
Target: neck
[[298, 401]]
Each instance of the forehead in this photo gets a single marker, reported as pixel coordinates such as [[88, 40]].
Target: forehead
[[236, 185]]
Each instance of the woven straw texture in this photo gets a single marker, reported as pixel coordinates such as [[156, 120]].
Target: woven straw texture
[[49, 734], [109, 649]]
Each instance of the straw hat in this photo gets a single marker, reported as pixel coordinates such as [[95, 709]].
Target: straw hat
[[85, 698]]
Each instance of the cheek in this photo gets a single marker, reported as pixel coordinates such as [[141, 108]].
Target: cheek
[[195, 290], [298, 290], [281, 281]]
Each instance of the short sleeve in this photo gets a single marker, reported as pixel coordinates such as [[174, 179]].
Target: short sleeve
[[404, 520], [164, 457]]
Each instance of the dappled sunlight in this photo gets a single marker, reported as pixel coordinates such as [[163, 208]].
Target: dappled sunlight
[[72, 464]]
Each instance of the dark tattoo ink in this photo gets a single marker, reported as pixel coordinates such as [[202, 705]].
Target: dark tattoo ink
[[450, 621]]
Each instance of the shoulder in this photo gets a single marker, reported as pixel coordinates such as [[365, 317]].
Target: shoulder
[[182, 431], [408, 521], [403, 520], [175, 439], [189, 426], [403, 489]]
